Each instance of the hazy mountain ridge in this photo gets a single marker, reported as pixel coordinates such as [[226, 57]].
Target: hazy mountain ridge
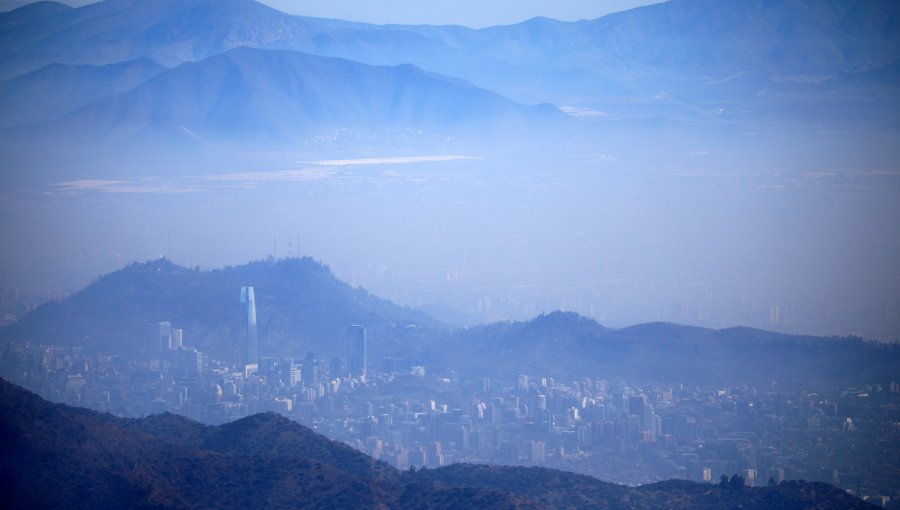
[[791, 36], [234, 84], [806, 64], [172, 32], [29, 12], [698, 49], [73, 458], [566, 343], [847, 35], [748, 58], [270, 96], [58, 89], [302, 307]]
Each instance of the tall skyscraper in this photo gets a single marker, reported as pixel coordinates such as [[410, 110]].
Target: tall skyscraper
[[356, 352], [310, 371], [337, 367], [251, 351], [164, 340]]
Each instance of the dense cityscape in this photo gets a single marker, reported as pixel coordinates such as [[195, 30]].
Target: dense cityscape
[[630, 432]]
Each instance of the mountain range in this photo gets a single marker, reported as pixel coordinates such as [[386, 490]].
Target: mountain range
[[704, 40], [63, 457], [302, 307], [209, 73], [59, 89], [264, 96]]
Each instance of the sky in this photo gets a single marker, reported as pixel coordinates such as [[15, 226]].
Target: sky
[[471, 13]]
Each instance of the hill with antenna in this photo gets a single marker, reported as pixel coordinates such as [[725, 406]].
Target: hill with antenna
[[301, 307]]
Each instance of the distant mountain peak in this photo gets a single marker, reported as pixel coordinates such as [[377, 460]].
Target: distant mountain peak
[[35, 10], [562, 318], [247, 95]]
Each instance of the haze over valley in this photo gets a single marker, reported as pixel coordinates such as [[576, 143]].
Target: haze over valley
[[564, 170], [658, 244]]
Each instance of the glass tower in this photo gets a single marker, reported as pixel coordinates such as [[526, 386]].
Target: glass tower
[[251, 351]]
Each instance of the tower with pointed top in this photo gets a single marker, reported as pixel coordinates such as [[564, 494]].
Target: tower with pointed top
[[251, 345]]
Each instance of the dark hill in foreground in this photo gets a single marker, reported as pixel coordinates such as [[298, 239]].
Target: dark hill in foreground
[[558, 489], [57, 456], [61, 457]]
